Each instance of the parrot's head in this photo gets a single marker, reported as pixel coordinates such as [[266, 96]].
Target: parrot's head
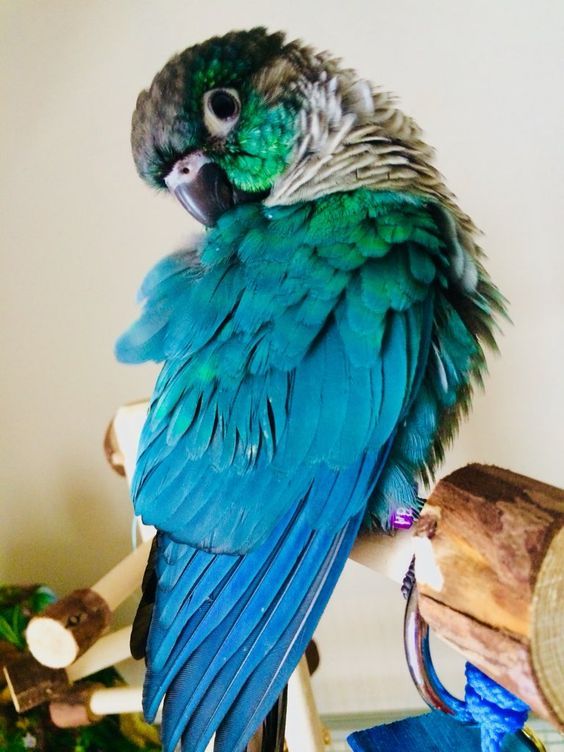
[[225, 120]]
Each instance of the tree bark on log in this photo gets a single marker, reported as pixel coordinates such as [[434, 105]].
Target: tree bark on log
[[489, 549], [68, 627]]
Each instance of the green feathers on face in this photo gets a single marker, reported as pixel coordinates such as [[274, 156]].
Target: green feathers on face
[[259, 147], [168, 121]]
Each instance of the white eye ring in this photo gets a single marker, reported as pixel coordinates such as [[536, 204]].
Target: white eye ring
[[221, 111]]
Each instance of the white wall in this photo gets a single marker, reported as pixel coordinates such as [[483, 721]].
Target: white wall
[[79, 230]]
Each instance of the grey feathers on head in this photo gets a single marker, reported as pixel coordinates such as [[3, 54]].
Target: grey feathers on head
[[350, 134]]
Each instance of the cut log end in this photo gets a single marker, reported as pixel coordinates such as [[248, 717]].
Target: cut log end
[[547, 638], [67, 628], [51, 642]]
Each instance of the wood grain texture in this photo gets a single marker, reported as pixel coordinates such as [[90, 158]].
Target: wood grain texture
[[68, 627], [490, 569], [32, 684], [71, 708]]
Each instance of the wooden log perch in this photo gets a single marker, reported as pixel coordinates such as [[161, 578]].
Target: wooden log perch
[[67, 628], [72, 708], [32, 683], [490, 571]]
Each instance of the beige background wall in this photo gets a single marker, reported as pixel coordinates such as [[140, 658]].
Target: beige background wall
[[78, 231]]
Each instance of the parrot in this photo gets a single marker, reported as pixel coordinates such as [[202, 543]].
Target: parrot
[[320, 342]]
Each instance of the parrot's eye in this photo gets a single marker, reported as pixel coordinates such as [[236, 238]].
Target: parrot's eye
[[221, 110]]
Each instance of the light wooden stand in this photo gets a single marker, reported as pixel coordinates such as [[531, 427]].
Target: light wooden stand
[[489, 567]]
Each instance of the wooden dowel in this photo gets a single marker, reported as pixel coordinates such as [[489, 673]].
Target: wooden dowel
[[304, 732], [121, 443], [114, 700], [124, 578], [85, 704], [107, 651], [68, 627], [389, 555], [122, 437]]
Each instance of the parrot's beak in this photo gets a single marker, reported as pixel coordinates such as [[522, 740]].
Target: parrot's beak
[[203, 188]]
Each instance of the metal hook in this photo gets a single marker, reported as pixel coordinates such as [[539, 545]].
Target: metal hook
[[419, 662], [422, 671]]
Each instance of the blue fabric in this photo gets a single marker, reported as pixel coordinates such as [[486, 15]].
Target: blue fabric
[[486, 721], [432, 732]]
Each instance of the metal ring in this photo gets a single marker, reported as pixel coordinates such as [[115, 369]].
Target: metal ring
[[422, 671]]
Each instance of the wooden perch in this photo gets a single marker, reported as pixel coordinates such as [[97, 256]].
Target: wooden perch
[[86, 704], [489, 566], [490, 572], [107, 651], [72, 708], [304, 731], [67, 628], [122, 437], [31, 683]]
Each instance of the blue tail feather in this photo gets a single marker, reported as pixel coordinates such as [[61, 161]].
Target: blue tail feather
[[207, 656], [171, 644], [271, 675], [257, 591]]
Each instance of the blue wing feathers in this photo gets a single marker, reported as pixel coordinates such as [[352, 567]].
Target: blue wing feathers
[[242, 632], [309, 355], [249, 573], [242, 627], [272, 674]]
